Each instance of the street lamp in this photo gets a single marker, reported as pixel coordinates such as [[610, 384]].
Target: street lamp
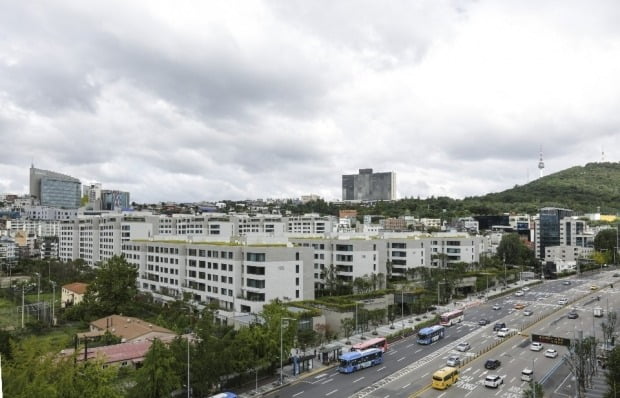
[[53, 299], [402, 306], [38, 293], [290, 319]]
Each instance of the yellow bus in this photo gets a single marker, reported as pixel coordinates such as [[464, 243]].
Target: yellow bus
[[445, 377]]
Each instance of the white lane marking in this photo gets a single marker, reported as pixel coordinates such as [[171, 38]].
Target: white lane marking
[[398, 360], [299, 393], [356, 380], [405, 386], [380, 369], [321, 375], [327, 381], [330, 393], [416, 351]]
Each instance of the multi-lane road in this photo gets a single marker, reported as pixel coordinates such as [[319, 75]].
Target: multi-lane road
[[408, 367]]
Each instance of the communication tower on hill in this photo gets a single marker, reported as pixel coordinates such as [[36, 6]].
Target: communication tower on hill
[[541, 164]]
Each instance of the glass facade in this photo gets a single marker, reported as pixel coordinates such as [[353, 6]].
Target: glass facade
[[61, 193], [549, 221]]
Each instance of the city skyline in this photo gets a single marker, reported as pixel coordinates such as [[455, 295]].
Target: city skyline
[[198, 101]]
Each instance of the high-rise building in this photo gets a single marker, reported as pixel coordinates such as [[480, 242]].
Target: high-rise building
[[548, 228], [369, 186], [54, 189]]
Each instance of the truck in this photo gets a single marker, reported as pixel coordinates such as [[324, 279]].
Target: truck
[[597, 311]]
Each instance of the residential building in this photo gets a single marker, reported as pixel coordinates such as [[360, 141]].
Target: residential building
[[129, 329], [72, 294], [369, 186], [54, 189], [239, 277]]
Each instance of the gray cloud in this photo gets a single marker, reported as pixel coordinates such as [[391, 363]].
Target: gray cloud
[[207, 101]]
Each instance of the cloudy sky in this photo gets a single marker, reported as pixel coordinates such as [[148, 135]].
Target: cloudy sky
[[210, 100]]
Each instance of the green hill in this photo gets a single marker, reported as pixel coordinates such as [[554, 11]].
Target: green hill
[[580, 188]]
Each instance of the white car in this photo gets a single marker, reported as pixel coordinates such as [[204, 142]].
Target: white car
[[503, 332], [525, 288], [497, 307], [536, 346], [454, 361], [519, 293], [551, 353], [493, 381], [563, 301], [464, 346]]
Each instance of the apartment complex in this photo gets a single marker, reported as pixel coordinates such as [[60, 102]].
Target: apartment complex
[[369, 186]]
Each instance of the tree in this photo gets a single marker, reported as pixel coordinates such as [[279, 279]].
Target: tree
[[581, 360], [512, 249], [606, 241], [534, 390], [612, 374], [306, 338], [114, 288], [347, 325], [156, 378]]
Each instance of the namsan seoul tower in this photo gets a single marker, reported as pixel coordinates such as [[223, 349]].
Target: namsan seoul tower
[[541, 164]]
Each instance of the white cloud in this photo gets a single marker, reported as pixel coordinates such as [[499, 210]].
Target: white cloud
[[192, 100]]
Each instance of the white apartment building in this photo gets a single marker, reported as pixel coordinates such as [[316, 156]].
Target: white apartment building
[[240, 278], [39, 228], [49, 213]]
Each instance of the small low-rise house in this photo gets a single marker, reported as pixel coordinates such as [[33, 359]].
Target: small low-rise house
[[128, 329], [72, 294]]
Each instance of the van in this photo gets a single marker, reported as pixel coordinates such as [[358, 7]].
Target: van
[[445, 377], [527, 374]]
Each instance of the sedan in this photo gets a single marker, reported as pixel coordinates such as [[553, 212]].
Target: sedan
[[528, 312], [463, 346], [566, 283], [497, 307], [483, 322], [525, 288], [519, 293], [593, 287], [551, 353], [573, 315]]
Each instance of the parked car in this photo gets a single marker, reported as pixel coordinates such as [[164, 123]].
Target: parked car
[[492, 364], [497, 307], [519, 293], [498, 326], [454, 361], [536, 346], [528, 312], [573, 315], [503, 332], [551, 353], [493, 381], [483, 322], [464, 346]]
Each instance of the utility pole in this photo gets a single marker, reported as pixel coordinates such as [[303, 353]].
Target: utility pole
[[38, 294], [53, 300]]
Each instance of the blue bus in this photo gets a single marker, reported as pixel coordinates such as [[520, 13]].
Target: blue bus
[[431, 334], [224, 395], [356, 360]]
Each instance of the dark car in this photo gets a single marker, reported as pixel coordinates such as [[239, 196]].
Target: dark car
[[492, 364], [573, 315], [483, 322], [498, 326]]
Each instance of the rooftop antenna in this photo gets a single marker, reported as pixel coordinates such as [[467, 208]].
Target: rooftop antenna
[[541, 164], [602, 155]]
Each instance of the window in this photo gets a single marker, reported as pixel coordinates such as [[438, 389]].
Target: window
[[258, 257]]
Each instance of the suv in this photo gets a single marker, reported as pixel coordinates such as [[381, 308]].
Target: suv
[[498, 326], [536, 346], [493, 381], [454, 361], [503, 332], [492, 364]]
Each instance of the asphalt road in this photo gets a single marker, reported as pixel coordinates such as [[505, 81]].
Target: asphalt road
[[408, 367]]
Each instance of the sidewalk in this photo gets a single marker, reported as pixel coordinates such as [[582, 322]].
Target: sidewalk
[[271, 384]]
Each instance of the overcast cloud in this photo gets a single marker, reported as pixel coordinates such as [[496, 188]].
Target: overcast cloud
[[205, 100]]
